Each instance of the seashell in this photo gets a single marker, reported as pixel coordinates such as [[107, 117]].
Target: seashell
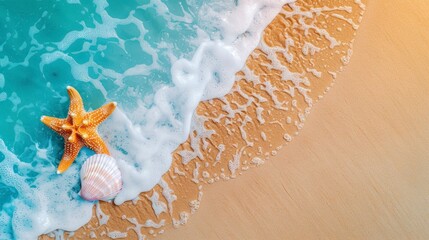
[[100, 178]]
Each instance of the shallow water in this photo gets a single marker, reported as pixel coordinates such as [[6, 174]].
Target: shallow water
[[157, 59]]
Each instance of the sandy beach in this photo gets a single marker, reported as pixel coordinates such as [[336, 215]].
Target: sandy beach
[[356, 170], [359, 168]]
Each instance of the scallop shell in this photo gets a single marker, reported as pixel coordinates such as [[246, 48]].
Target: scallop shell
[[100, 178]]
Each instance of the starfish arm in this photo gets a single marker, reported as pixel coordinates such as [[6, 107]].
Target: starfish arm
[[97, 116], [76, 103], [71, 150], [55, 124], [95, 143]]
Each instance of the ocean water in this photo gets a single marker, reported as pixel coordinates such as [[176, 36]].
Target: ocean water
[[157, 58]]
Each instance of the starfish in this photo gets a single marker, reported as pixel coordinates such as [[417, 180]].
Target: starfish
[[79, 128]]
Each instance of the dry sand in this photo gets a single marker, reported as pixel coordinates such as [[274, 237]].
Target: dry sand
[[357, 170]]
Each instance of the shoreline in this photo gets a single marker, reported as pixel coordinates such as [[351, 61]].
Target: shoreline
[[358, 169], [256, 124]]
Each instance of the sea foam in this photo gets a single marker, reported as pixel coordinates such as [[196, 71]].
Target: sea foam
[[158, 79], [209, 74]]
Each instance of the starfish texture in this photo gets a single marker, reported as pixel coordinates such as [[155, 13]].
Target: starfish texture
[[79, 128]]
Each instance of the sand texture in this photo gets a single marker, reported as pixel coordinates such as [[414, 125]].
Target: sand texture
[[301, 54]]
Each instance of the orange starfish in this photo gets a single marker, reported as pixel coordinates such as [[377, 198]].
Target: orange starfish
[[79, 128]]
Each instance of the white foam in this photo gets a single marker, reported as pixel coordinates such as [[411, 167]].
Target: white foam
[[39, 213], [209, 74]]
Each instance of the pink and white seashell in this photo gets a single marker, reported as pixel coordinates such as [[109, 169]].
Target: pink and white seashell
[[100, 178]]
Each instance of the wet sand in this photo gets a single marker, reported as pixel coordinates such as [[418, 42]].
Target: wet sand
[[359, 169]]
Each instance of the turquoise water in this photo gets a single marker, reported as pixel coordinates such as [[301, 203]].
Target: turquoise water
[[47, 45], [157, 58]]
